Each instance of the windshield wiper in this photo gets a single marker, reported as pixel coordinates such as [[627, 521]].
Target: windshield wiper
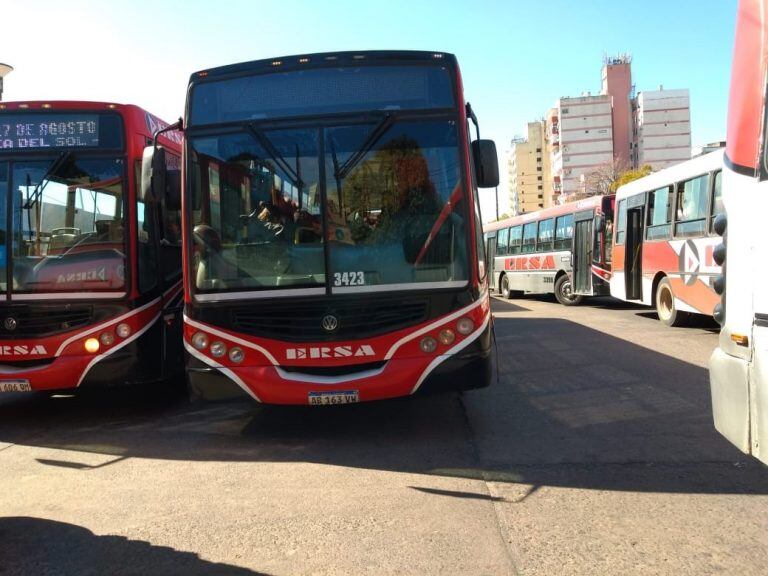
[[274, 153], [37, 193], [376, 134], [40, 188]]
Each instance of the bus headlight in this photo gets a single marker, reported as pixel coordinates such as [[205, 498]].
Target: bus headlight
[[428, 344], [200, 340], [236, 355], [91, 345], [107, 338], [123, 330], [465, 325], [218, 349], [446, 337]]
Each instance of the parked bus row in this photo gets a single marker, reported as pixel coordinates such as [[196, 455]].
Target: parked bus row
[[331, 247], [658, 252], [90, 272]]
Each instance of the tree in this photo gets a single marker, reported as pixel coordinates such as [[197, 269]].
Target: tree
[[631, 175], [606, 178], [600, 181]]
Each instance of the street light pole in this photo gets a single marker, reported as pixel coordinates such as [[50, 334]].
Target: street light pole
[[5, 69]]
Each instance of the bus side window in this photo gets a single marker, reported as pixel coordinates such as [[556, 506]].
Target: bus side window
[[563, 232], [717, 199], [659, 213], [546, 233], [501, 241], [621, 222], [515, 240], [529, 238], [692, 200]]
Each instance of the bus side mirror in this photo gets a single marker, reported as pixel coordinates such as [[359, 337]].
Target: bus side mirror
[[153, 174], [599, 222], [486, 163]]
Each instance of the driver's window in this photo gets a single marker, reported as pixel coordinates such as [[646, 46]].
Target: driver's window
[[145, 250]]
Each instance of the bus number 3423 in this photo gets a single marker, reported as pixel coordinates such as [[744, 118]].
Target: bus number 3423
[[348, 279]]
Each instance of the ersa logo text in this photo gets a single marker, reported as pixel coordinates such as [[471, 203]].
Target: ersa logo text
[[321, 352], [23, 350]]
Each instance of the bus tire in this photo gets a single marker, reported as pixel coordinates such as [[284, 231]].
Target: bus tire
[[564, 293], [506, 292], [665, 305]]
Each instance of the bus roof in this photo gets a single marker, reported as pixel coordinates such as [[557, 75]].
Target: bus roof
[[358, 58], [676, 173], [559, 210]]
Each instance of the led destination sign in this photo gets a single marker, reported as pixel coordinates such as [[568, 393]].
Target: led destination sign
[[36, 131]]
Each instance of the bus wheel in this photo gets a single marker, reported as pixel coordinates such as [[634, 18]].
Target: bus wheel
[[665, 305], [564, 292], [505, 290]]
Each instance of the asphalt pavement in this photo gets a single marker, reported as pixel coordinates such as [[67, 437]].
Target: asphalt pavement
[[594, 454]]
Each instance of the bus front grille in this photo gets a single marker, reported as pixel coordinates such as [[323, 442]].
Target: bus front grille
[[304, 321], [24, 321]]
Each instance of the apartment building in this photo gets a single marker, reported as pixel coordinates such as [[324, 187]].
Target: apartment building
[[615, 126], [580, 134], [530, 181], [662, 128]]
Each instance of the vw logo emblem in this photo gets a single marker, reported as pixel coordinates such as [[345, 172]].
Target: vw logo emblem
[[10, 324], [329, 322]]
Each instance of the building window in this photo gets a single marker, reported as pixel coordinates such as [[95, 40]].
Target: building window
[[538, 159], [538, 150], [540, 187], [538, 178], [538, 169]]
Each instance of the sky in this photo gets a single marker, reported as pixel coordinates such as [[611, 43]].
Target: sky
[[517, 57]]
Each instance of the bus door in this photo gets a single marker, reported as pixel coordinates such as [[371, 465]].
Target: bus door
[[582, 252], [633, 259], [490, 250]]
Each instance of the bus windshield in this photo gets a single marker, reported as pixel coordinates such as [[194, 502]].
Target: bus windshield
[[373, 205], [66, 225]]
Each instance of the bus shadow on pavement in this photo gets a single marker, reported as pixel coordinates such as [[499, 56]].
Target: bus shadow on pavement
[[574, 407], [693, 321], [42, 546], [503, 305]]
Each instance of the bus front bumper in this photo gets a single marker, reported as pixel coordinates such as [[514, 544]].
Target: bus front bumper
[[472, 368]]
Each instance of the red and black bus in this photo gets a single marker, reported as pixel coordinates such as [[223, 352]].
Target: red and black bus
[[90, 274], [333, 242]]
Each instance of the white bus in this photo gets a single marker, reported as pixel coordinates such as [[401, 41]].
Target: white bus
[[664, 239], [738, 368], [564, 250]]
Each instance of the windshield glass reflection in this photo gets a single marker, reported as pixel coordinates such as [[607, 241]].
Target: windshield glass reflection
[[68, 225], [389, 211]]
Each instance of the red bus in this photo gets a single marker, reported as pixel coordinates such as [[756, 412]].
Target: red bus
[[332, 229], [564, 250], [90, 274]]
